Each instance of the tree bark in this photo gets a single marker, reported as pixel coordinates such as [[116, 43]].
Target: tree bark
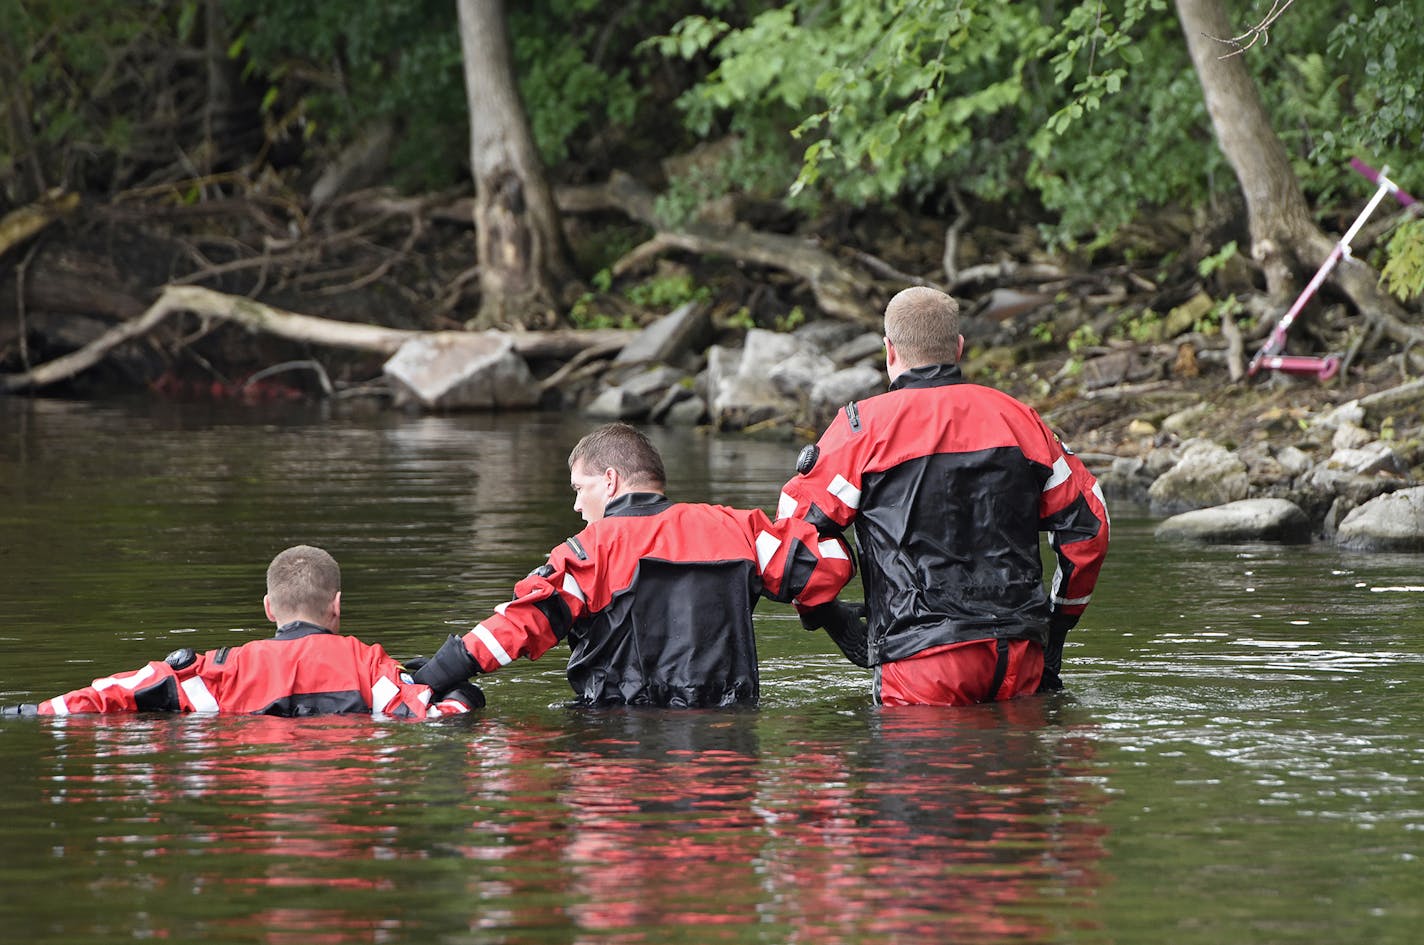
[[521, 250], [1285, 240]]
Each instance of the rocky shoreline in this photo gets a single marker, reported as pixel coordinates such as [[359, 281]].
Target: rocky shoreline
[[1275, 460]]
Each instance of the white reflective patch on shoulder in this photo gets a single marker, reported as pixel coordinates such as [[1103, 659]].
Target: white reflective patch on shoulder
[[785, 506], [382, 692], [841, 488], [1069, 601], [501, 608], [1098, 493], [766, 547], [830, 548], [59, 706], [500, 654], [130, 681], [571, 587], [198, 694], [1061, 474]]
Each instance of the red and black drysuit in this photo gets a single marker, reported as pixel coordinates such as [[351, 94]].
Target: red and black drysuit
[[949, 484], [655, 600], [304, 670]]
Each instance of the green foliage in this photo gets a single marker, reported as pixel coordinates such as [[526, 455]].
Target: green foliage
[[79, 70], [668, 291], [1217, 260], [587, 313], [1084, 336], [1404, 273], [791, 321]]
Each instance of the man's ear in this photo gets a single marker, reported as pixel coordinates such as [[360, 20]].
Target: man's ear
[[611, 482], [267, 607], [960, 352]]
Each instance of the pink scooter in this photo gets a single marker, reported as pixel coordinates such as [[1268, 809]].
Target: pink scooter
[[1270, 356]]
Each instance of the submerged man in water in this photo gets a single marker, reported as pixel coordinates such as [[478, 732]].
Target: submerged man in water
[[948, 484], [306, 669], [654, 597]]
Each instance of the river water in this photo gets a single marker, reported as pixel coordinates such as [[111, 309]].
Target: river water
[[1238, 757]]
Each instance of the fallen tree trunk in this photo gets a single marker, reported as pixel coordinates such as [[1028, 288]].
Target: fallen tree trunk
[[257, 317], [840, 290], [19, 225]]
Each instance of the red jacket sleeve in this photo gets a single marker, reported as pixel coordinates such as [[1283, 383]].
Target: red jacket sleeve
[[121, 692], [545, 606], [1075, 515], [795, 563]]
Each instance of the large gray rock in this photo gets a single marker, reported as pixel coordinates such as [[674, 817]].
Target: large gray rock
[[1205, 474], [835, 390], [1247, 520], [681, 330], [740, 390], [1393, 522], [797, 374], [617, 403], [456, 370]]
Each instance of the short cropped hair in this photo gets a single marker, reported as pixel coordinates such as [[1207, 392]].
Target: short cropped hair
[[621, 447], [303, 580], [923, 325]]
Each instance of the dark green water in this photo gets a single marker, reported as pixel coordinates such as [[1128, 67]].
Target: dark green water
[[1238, 758]]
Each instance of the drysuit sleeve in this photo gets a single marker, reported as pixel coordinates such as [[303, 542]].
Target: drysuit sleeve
[[154, 687], [796, 564], [1073, 512], [544, 608], [826, 488]]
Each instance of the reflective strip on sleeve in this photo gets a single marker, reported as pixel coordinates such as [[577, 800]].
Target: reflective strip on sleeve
[[785, 506], [133, 681], [501, 608], [382, 692], [766, 547], [59, 706], [1061, 474], [841, 488], [830, 548], [199, 695], [1098, 492], [571, 587], [499, 653]]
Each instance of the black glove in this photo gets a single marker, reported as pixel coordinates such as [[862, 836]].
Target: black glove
[[1058, 627], [23, 709], [451, 665], [468, 693], [845, 625]]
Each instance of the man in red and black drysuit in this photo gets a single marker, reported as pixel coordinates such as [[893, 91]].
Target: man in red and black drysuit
[[654, 597], [306, 669], [949, 484]]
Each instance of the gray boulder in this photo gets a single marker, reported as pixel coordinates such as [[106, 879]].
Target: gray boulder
[[835, 390], [455, 370], [1205, 474], [1393, 522], [681, 330], [617, 403], [1276, 520]]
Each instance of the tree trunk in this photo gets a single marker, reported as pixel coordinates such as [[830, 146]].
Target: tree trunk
[[520, 246], [1278, 215], [1285, 240]]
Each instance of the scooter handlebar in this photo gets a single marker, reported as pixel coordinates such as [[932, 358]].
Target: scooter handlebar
[[1373, 176]]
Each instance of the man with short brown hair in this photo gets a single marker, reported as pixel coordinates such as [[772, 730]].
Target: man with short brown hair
[[654, 597], [306, 669]]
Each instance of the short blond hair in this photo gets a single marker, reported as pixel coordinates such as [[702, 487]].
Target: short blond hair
[[923, 325], [303, 580]]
